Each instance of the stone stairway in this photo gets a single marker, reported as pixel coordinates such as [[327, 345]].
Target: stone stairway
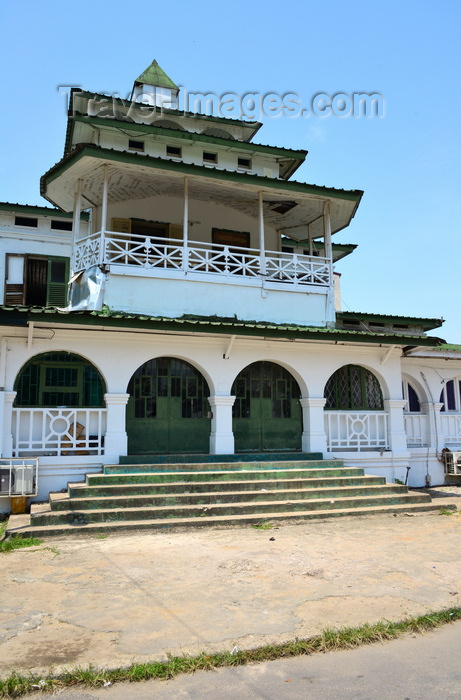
[[179, 494]]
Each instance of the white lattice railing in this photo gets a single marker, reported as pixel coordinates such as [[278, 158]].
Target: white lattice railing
[[211, 258], [451, 427], [415, 429], [58, 431], [356, 431]]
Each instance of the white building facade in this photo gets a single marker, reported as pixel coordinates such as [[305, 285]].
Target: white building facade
[[179, 297]]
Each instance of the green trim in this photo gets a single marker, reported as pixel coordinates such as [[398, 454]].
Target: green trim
[[191, 136], [20, 316], [40, 211], [156, 76], [426, 323], [83, 150]]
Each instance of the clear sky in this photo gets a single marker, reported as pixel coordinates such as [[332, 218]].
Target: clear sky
[[407, 162]]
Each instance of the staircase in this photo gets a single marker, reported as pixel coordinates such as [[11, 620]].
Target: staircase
[[192, 493]]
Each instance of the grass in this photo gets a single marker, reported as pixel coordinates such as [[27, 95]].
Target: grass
[[262, 526], [17, 684], [15, 542]]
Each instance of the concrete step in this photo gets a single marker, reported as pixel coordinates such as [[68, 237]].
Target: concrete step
[[57, 502], [209, 459], [82, 490], [217, 465], [26, 530], [260, 509], [245, 473]]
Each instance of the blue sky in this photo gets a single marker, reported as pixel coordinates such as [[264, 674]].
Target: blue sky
[[407, 162]]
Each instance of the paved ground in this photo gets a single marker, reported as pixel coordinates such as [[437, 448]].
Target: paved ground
[[138, 597], [415, 667]]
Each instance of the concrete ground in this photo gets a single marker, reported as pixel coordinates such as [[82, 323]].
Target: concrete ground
[[138, 597]]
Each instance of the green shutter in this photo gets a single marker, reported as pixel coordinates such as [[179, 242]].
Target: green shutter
[[57, 279]]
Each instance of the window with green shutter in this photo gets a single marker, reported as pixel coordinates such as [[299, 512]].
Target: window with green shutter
[[33, 280]]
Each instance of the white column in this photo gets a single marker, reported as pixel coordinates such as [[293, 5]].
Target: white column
[[8, 400], [330, 302], [262, 244], [434, 425], [311, 242], [221, 436], [105, 194], [327, 230], [116, 439], [396, 435], [314, 438], [77, 209], [185, 226]]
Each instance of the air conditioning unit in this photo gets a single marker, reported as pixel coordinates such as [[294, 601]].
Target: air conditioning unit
[[452, 461]]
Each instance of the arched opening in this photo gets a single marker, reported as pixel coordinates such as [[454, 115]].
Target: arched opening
[[168, 409], [353, 388], [266, 413], [450, 396], [354, 411], [59, 379]]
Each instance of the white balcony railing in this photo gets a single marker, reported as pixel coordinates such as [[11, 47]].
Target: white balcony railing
[[451, 427], [170, 255], [415, 429], [58, 431], [356, 430]]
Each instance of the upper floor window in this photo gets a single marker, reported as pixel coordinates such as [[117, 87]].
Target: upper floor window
[[353, 388], [210, 158], [411, 397], [174, 151], [61, 225], [450, 396], [244, 163], [135, 145], [33, 280], [29, 221]]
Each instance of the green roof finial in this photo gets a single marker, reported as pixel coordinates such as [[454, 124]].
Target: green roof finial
[[156, 76]]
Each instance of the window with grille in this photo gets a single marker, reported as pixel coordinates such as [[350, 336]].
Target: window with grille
[[353, 388]]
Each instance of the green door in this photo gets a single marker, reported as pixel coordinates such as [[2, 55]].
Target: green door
[[168, 410], [266, 413]]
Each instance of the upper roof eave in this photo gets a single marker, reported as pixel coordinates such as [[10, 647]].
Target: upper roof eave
[[20, 316], [427, 323], [295, 155], [40, 210], [252, 126], [284, 186]]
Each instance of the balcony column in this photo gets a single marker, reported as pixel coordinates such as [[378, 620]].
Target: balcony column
[[330, 303], [185, 226], [76, 220], [262, 244], [116, 438], [105, 193], [311, 242], [6, 401], [396, 435], [434, 425], [314, 438], [221, 436]]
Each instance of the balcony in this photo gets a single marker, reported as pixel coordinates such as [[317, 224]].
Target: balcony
[[164, 257], [173, 278]]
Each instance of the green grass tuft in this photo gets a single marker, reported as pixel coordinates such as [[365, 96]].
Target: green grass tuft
[[18, 543], [329, 640]]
